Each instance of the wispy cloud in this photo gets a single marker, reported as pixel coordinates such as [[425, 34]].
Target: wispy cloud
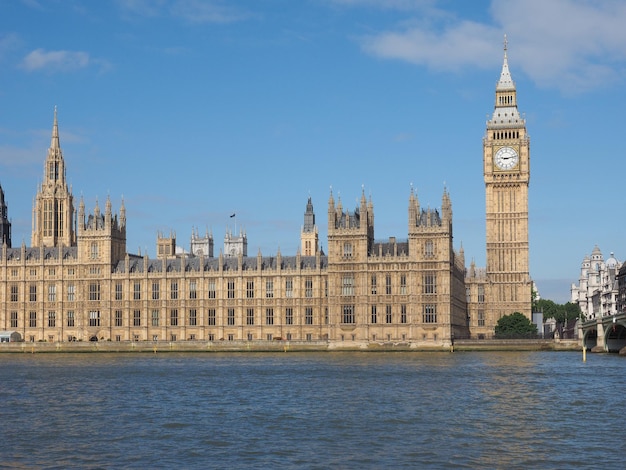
[[192, 11], [572, 45], [8, 42], [59, 61]]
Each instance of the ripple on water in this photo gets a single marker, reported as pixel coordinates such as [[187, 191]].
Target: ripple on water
[[340, 410]]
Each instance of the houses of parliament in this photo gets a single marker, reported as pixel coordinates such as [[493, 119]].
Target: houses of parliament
[[77, 282]]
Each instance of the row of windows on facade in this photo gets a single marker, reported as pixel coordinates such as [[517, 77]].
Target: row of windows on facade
[[429, 286], [481, 294], [506, 135], [429, 315], [231, 337], [429, 249]]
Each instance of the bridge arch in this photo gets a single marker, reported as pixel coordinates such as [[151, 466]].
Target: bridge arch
[[615, 337], [590, 340]]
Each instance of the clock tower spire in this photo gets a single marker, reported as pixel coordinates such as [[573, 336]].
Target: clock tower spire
[[506, 170]]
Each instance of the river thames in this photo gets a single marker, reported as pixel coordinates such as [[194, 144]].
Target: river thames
[[313, 410]]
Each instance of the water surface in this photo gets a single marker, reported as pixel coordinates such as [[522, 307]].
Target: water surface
[[312, 410]]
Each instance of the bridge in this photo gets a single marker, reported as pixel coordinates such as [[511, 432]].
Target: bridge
[[605, 334]]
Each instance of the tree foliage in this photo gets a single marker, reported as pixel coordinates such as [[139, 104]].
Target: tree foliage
[[515, 325], [560, 312]]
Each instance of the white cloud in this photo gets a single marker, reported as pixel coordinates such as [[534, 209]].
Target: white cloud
[[55, 61], [60, 61], [467, 43], [571, 45]]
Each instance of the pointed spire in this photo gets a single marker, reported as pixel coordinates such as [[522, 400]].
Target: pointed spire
[[506, 81], [54, 143]]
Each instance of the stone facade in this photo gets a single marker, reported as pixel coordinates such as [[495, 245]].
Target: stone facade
[[83, 284], [505, 285]]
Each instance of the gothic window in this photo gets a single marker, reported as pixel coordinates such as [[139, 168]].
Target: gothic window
[[403, 284], [289, 287], [481, 318], [388, 284], [14, 292], [94, 250], [118, 291], [136, 317], [52, 319], [250, 316], [388, 314], [403, 313], [193, 293], [118, 318], [211, 317], [174, 317], [429, 249], [347, 249], [231, 318], [481, 294], [32, 319], [94, 291], [231, 289], [94, 318], [32, 293], [211, 289], [52, 293], [70, 318], [348, 314], [250, 289], [269, 288], [155, 318], [289, 316], [373, 282], [308, 287], [174, 290], [137, 291], [308, 316], [14, 320], [269, 316], [430, 283], [155, 291], [71, 293], [374, 315], [347, 285], [193, 317], [430, 314]]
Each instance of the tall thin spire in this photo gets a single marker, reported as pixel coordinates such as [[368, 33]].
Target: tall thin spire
[[506, 81], [54, 143]]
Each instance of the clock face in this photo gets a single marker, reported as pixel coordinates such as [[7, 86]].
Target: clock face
[[506, 158]]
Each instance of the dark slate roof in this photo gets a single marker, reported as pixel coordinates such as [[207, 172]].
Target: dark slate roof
[[136, 264], [35, 253]]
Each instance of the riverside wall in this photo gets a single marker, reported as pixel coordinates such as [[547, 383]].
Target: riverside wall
[[284, 346]]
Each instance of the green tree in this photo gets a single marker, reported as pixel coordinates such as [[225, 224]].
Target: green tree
[[560, 312], [516, 325]]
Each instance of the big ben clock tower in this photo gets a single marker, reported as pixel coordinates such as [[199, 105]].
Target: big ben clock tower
[[506, 169]]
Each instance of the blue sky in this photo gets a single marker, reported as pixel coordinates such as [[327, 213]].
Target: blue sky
[[192, 110]]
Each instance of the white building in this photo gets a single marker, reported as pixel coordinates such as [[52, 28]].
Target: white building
[[596, 292]]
